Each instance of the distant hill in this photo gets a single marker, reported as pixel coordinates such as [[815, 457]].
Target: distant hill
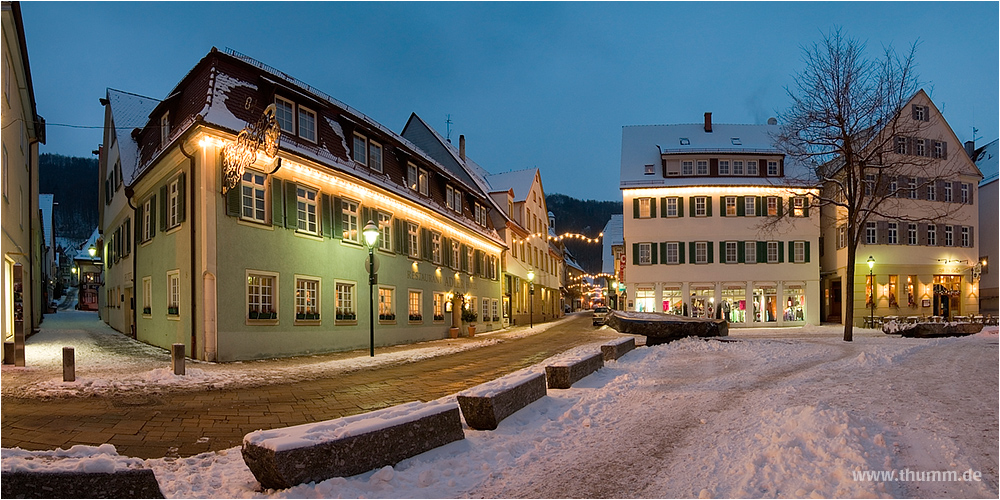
[[586, 217], [75, 184]]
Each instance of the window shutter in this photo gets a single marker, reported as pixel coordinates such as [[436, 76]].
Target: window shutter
[[722, 206], [691, 206], [973, 187], [336, 213], [940, 234], [652, 254], [708, 206], [807, 251], [944, 150], [881, 232], [741, 206], [760, 206], [152, 216], [939, 189], [424, 240], [635, 253], [691, 252], [445, 252], [635, 208], [791, 251], [326, 225], [805, 206], [741, 252], [163, 208], [781, 252], [652, 208], [277, 203], [781, 207], [680, 253], [761, 252], [913, 111], [713, 166], [972, 236], [680, 207], [711, 252], [234, 203], [663, 253], [181, 197], [406, 238], [464, 249], [663, 207], [722, 252], [138, 224], [291, 205]]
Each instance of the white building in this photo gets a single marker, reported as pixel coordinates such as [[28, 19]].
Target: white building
[[987, 161], [704, 230]]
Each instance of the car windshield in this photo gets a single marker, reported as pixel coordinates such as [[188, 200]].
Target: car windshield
[[601, 309]]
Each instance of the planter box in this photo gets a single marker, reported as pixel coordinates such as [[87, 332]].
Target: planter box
[[563, 373], [485, 405], [282, 458]]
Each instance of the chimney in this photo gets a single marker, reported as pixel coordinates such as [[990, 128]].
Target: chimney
[[970, 149], [708, 122], [461, 147]]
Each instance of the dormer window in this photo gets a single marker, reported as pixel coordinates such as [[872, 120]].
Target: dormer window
[[284, 113], [685, 141], [360, 151], [649, 169], [307, 124], [736, 141], [164, 128]]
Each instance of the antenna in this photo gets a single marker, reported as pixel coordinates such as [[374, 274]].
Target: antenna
[[448, 123], [974, 132]]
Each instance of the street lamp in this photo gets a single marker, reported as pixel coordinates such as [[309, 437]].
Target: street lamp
[[92, 251], [871, 280], [531, 299], [371, 234]]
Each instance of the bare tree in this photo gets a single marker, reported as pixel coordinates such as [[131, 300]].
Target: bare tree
[[848, 123]]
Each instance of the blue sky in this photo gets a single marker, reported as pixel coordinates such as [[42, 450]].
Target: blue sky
[[545, 85]]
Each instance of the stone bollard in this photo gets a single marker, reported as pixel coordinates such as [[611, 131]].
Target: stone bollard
[[69, 364], [177, 358], [8, 353]]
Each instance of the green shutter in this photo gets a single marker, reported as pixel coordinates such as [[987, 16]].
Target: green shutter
[[722, 206], [425, 240], [398, 233], [805, 204], [336, 213], [635, 253], [807, 251], [722, 253], [741, 252], [781, 252], [445, 252], [635, 208], [708, 206], [663, 253], [680, 207], [711, 252], [181, 190], [464, 249], [762, 252], [691, 252], [234, 203], [152, 216], [791, 251], [652, 254], [781, 207], [277, 203], [741, 206], [137, 237], [760, 206], [291, 205], [680, 252], [663, 207], [163, 208], [326, 221], [652, 208], [691, 206]]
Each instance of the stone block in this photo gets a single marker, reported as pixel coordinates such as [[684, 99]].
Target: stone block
[[661, 328], [130, 483], [282, 458], [563, 373], [617, 348], [934, 330], [486, 405]]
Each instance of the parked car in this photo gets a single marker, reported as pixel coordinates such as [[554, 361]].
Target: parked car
[[600, 315]]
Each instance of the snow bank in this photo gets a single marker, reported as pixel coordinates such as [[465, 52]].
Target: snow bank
[[79, 458]]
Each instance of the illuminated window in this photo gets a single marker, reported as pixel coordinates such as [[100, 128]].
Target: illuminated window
[[262, 296], [413, 238], [349, 219], [385, 226], [798, 251], [307, 124], [870, 233], [438, 306], [306, 208], [424, 180], [345, 301], [645, 208], [772, 205], [411, 176], [386, 308], [173, 203], [436, 247], [306, 298], [730, 206], [893, 233], [414, 305], [799, 206]]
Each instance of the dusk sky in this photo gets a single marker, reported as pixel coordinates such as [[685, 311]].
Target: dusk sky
[[545, 85]]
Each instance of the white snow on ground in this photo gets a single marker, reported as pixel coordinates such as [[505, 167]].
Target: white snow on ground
[[793, 415]]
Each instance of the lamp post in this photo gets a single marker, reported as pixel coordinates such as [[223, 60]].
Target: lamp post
[[871, 280], [92, 251], [371, 234], [612, 294], [531, 299]]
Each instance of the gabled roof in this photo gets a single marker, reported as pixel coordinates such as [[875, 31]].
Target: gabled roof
[[519, 181], [644, 144], [129, 111], [988, 162], [84, 254]]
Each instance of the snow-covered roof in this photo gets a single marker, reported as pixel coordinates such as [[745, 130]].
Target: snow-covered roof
[[45, 202], [614, 234], [129, 111], [643, 145], [988, 162], [84, 254], [518, 180]]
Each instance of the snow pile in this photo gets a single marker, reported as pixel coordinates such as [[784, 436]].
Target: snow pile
[[807, 451], [79, 458]]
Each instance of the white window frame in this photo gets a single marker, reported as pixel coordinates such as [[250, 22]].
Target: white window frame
[[947, 192], [645, 254], [304, 285], [256, 292], [411, 176], [345, 300], [938, 149], [931, 192], [308, 114], [375, 156], [912, 186], [435, 247], [772, 168], [496, 309], [798, 251], [893, 233], [799, 206], [750, 252], [672, 203], [164, 128], [278, 114], [173, 292], [413, 237], [423, 179], [870, 184], [173, 203], [921, 147], [359, 149], [724, 167], [456, 254], [485, 309], [349, 216], [687, 167], [920, 112], [772, 252], [901, 145], [965, 237], [871, 233], [732, 252], [258, 196], [749, 206], [965, 193], [841, 236], [731, 209], [702, 210], [701, 167], [386, 303], [438, 307], [449, 193], [738, 167], [414, 305], [385, 227], [752, 167], [700, 252], [772, 202], [911, 234], [147, 296], [949, 236], [306, 209], [645, 208], [932, 235], [673, 252], [147, 220]]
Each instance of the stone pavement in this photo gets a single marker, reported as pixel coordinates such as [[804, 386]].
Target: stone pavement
[[182, 424]]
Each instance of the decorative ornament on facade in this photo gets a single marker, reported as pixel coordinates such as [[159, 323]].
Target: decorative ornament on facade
[[262, 136]]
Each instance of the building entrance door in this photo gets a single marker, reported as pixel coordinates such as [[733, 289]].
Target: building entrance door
[[129, 306], [836, 302], [947, 290]]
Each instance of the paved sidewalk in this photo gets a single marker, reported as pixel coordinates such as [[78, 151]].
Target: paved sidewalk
[[150, 424]]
